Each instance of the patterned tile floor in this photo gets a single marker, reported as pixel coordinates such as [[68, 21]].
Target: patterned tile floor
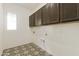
[[25, 50]]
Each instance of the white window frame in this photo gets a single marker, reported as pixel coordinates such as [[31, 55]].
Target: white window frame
[[11, 21]]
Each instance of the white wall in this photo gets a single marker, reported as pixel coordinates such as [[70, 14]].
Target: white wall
[[1, 27], [61, 39], [22, 35]]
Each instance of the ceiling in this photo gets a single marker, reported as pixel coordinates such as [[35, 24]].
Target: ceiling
[[30, 6]]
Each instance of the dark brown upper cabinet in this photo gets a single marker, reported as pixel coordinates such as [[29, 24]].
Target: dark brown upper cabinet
[[68, 12], [78, 11], [32, 20], [50, 13], [38, 18]]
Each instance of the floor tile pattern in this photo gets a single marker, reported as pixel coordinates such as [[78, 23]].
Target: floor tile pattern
[[25, 50]]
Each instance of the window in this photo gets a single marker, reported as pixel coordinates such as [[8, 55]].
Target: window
[[11, 21]]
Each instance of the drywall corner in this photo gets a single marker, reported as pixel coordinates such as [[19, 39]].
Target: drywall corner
[[1, 26]]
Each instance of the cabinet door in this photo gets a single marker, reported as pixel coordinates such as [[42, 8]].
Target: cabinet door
[[54, 13], [50, 13], [68, 12], [78, 11], [32, 20], [38, 17], [45, 14]]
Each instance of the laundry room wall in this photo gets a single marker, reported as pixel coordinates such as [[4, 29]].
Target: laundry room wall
[[58, 39], [22, 35]]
